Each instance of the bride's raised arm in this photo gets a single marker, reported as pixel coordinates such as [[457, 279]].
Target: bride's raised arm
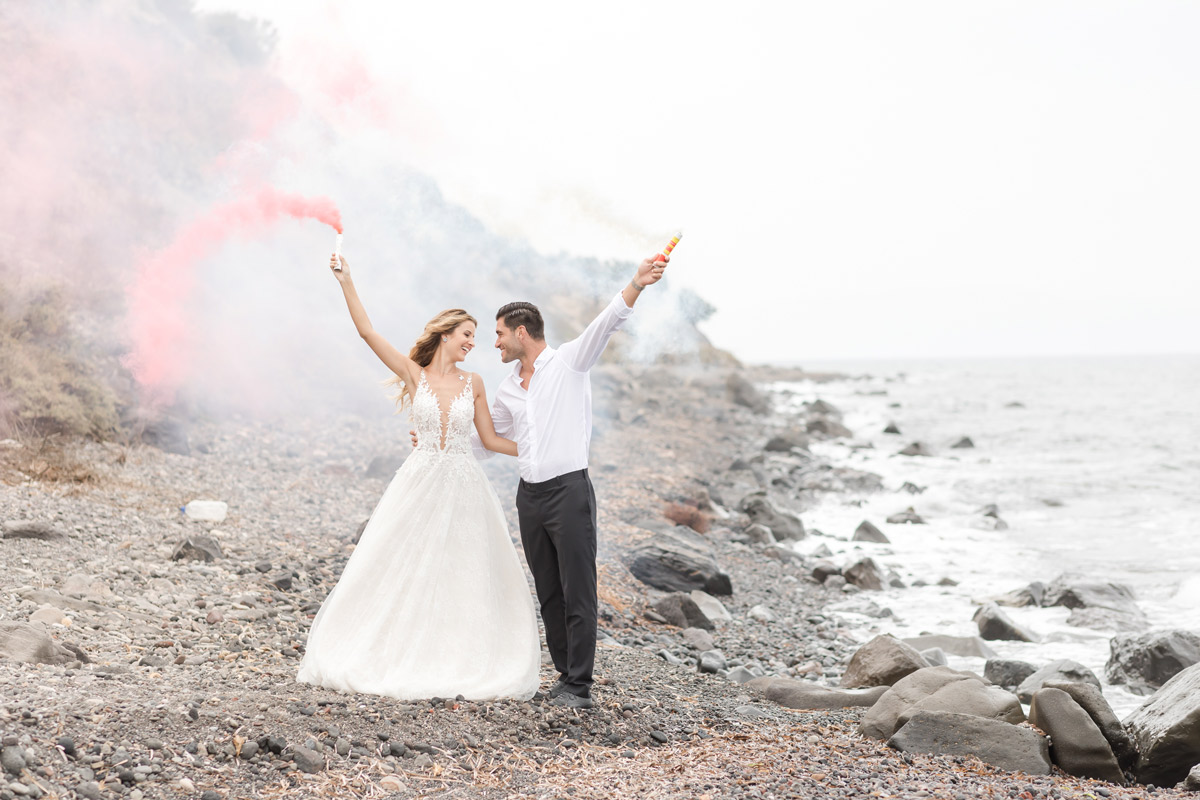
[[396, 361], [486, 427]]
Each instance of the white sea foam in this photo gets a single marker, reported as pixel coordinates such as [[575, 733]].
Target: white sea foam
[[1096, 472]]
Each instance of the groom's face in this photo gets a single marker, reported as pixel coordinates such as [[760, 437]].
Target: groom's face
[[508, 342]]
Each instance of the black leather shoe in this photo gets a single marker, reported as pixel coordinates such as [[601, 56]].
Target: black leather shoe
[[571, 700], [558, 688]]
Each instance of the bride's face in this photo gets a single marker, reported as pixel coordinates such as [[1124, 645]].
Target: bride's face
[[461, 341]]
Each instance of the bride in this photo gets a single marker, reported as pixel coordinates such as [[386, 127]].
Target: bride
[[433, 602]]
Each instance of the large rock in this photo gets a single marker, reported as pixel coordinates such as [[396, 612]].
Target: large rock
[[744, 393], [679, 561], [1062, 671], [28, 529], [1106, 619], [681, 610], [970, 646], [1166, 730], [908, 516], [1000, 744], [1192, 782], [969, 697], [21, 641], [1007, 673], [995, 626], [783, 524], [711, 607], [808, 695], [1031, 595], [1072, 591], [197, 548], [915, 449], [1144, 663], [881, 662], [867, 532], [826, 426], [882, 719], [1076, 744], [865, 574], [1091, 700]]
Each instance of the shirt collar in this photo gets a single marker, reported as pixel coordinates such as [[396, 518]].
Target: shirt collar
[[539, 362]]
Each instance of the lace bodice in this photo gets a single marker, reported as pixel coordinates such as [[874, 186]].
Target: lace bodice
[[443, 430]]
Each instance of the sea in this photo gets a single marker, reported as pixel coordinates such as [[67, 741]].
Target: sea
[[1093, 463]]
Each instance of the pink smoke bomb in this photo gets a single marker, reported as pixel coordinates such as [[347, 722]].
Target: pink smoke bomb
[[337, 252]]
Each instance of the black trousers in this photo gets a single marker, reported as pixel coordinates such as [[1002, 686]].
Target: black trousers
[[558, 533]]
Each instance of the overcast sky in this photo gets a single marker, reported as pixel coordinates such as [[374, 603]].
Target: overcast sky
[[853, 179]]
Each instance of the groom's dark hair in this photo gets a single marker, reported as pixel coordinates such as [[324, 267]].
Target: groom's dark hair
[[521, 313]]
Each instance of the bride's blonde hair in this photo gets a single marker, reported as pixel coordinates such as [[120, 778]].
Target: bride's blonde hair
[[427, 343]]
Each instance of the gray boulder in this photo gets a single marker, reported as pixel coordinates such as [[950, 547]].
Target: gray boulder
[[970, 646], [1166, 730], [906, 517], [865, 574], [969, 697], [1144, 663], [698, 639], [712, 661], [935, 657], [1062, 671], [882, 719], [1071, 591], [881, 662], [758, 534], [892, 428], [1000, 744], [783, 524], [866, 532], [915, 449], [1192, 782], [995, 626], [197, 548], [1091, 700], [712, 608], [823, 568], [1031, 595], [824, 408], [1076, 744], [963, 444], [744, 393], [828, 427], [808, 695], [679, 561], [31, 644], [680, 610], [1007, 673], [786, 442]]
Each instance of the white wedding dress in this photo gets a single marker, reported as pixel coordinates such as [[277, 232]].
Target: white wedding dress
[[433, 602]]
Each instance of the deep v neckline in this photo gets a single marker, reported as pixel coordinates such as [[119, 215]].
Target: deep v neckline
[[444, 414]]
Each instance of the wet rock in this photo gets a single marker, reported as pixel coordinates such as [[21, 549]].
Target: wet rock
[[865, 574], [963, 444], [991, 741], [679, 561], [881, 662], [808, 695], [783, 524], [1074, 592], [1031, 595], [822, 569], [971, 646], [915, 449], [892, 428], [1166, 730], [995, 626], [866, 532], [1076, 744], [906, 517], [912, 488], [1192, 782], [1062, 671], [830, 428], [681, 610], [1144, 663], [21, 641], [935, 657], [28, 529], [1091, 700], [1007, 673], [197, 548]]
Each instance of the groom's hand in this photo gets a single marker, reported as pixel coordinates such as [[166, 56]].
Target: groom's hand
[[413, 434], [651, 269]]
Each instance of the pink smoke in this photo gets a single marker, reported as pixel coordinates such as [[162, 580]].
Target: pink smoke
[[158, 324]]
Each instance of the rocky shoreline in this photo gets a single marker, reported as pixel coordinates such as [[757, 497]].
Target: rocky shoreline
[[170, 644]]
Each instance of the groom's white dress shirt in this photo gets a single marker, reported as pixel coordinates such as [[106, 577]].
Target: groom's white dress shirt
[[551, 422]]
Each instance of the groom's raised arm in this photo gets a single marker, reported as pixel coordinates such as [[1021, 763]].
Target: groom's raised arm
[[582, 352]]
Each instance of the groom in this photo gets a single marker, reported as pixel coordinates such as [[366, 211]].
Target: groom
[[545, 405]]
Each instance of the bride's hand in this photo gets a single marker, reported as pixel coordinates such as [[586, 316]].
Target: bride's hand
[[342, 274]]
